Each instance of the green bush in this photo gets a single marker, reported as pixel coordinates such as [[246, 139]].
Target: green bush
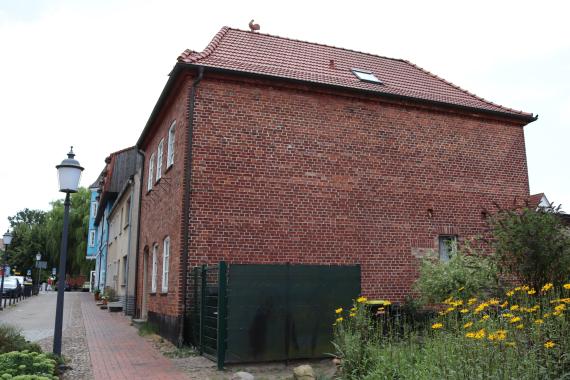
[[148, 328], [532, 244], [27, 365], [467, 271], [12, 340]]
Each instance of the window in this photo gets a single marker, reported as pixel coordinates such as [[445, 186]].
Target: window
[[93, 209], [127, 213], [170, 148], [150, 173], [92, 238], [154, 268], [447, 247], [124, 277], [165, 264], [159, 159], [366, 76]]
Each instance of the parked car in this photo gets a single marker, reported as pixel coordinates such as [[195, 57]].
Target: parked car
[[86, 286], [12, 284]]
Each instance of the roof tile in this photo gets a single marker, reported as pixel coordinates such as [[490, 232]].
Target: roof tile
[[265, 54]]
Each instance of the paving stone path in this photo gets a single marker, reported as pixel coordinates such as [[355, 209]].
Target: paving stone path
[[118, 352]]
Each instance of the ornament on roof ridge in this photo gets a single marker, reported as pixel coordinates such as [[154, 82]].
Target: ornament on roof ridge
[[253, 27]]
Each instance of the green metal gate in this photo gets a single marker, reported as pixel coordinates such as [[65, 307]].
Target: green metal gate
[[255, 312]]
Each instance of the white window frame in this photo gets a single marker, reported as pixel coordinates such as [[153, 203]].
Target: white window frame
[[165, 264], [170, 147], [91, 238], [159, 153], [93, 209], [154, 273], [150, 173]]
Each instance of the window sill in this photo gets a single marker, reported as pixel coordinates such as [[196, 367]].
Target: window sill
[[164, 293], [152, 294]]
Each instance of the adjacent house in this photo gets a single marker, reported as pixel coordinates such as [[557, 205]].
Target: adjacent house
[[269, 150], [120, 168]]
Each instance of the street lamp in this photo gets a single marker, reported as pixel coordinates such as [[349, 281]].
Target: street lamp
[[38, 258], [68, 174], [7, 239]]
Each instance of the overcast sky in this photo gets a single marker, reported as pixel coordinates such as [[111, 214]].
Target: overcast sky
[[87, 73]]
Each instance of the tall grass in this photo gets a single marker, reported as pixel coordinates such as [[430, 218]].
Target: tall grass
[[523, 335]]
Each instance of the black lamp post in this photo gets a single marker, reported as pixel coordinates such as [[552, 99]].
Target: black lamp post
[[7, 239], [68, 173], [38, 258]]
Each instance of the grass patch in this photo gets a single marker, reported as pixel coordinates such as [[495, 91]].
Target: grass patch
[[181, 352], [148, 328]]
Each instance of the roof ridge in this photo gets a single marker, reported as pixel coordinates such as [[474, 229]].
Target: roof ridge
[[193, 56], [466, 91], [316, 43]]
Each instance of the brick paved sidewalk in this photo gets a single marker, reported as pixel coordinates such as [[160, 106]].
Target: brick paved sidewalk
[[118, 352]]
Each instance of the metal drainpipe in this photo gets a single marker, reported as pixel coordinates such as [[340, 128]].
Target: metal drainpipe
[[141, 175], [186, 201], [131, 182]]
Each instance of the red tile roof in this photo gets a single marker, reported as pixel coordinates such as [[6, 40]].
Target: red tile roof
[[256, 53], [535, 199]]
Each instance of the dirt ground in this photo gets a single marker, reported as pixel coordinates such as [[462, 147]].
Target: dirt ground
[[200, 368]]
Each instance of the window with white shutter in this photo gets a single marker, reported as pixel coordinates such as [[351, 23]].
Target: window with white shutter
[[154, 268], [165, 264], [170, 148], [150, 173], [159, 159]]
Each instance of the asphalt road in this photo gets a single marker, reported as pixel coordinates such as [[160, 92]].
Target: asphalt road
[[35, 316]]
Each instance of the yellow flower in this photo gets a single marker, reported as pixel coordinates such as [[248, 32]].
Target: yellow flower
[[436, 326], [547, 287], [485, 317], [517, 289], [352, 315], [532, 309], [515, 307], [480, 334], [493, 301], [449, 309], [464, 311], [515, 320], [361, 299], [520, 327], [531, 292], [560, 308], [353, 309], [510, 293], [460, 289], [498, 335], [504, 304], [567, 286], [507, 315], [467, 325], [481, 307], [549, 344], [471, 301], [387, 303], [339, 319], [470, 335], [525, 287], [546, 315], [557, 312], [448, 300], [539, 322], [338, 311]]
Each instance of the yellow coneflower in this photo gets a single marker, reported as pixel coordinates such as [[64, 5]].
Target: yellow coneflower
[[437, 326], [549, 344], [547, 287], [361, 299], [467, 325], [338, 311]]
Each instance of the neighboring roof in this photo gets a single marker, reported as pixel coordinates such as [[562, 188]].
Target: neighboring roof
[[538, 200], [256, 53]]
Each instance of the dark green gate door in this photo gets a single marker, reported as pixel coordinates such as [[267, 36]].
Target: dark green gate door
[[282, 312]]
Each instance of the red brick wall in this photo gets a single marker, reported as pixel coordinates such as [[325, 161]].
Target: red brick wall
[[161, 207], [285, 175]]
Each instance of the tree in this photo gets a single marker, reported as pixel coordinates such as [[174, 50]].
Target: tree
[[532, 244]]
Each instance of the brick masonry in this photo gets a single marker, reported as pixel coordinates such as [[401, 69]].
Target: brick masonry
[[285, 173]]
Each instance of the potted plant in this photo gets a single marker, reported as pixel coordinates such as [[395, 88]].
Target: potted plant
[[97, 295]]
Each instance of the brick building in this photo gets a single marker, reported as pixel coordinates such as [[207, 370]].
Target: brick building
[[264, 149]]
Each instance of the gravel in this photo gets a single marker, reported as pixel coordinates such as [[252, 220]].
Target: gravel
[[74, 345]]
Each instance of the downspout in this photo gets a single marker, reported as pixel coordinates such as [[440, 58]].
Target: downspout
[[141, 175], [129, 255], [186, 200]]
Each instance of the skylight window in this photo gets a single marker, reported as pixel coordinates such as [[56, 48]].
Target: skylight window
[[366, 76]]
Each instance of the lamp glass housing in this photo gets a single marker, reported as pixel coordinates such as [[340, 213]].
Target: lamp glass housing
[[7, 238], [69, 173]]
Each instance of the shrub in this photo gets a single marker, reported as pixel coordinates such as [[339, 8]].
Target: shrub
[[19, 365], [147, 328], [467, 271], [12, 340], [532, 244], [110, 294]]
